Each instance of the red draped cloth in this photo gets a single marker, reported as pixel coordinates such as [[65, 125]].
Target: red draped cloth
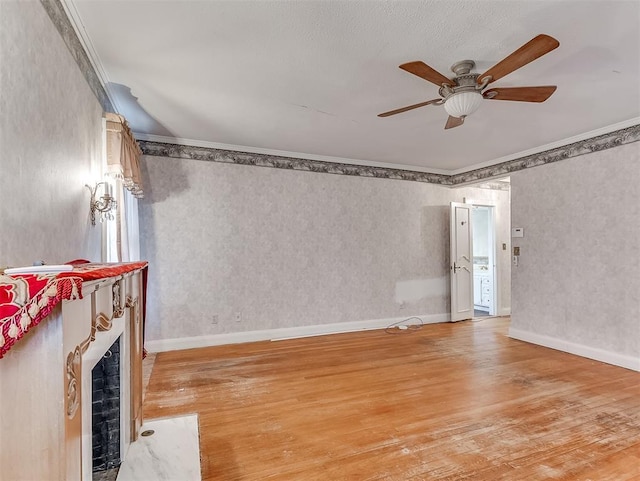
[[26, 299]]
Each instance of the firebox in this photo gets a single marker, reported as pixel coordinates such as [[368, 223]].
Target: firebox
[[105, 413]]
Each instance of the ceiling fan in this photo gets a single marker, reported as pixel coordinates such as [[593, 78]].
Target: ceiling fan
[[463, 94]]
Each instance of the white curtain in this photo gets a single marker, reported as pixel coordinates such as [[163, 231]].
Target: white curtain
[[122, 241], [123, 233]]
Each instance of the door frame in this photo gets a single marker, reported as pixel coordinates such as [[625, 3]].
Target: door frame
[[493, 250]]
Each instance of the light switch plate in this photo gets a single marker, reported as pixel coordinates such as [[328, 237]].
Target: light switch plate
[[517, 232]]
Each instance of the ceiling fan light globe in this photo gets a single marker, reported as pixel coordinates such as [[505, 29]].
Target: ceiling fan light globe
[[462, 104]]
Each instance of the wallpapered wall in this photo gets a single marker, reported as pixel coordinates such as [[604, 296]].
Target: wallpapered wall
[[283, 248], [50, 143], [578, 274]]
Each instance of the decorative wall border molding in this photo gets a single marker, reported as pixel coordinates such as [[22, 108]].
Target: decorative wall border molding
[[601, 142], [595, 144], [61, 21], [160, 149], [493, 185]]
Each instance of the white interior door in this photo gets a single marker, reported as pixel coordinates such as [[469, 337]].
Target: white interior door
[[461, 259]]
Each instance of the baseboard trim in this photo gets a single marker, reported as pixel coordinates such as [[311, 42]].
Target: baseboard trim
[[628, 362], [162, 345]]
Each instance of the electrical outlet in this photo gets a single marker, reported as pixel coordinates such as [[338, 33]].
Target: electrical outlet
[[402, 305], [238, 316], [214, 319]]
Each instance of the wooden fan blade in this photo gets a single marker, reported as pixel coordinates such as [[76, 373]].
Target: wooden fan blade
[[422, 70], [533, 49], [453, 122], [410, 107], [520, 94]]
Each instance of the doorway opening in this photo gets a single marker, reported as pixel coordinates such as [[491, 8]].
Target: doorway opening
[[484, 265]]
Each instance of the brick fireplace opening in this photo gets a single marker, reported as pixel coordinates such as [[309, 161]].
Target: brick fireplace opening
[[105, 411], [106, 398]]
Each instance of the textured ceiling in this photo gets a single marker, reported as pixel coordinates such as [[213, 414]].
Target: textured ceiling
[[309, 77]]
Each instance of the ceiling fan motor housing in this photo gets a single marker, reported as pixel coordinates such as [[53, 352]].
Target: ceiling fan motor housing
[[464, 97]]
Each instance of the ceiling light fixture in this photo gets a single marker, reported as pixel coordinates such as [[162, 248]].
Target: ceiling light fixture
[[461, 104]]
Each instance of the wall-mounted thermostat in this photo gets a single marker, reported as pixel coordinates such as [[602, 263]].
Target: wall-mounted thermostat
[[517, 232]]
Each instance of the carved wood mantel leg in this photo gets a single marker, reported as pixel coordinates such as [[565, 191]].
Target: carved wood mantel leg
[[73, 388]]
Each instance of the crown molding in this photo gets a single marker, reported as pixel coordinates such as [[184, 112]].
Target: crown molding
[[60, 17], [85, 41]]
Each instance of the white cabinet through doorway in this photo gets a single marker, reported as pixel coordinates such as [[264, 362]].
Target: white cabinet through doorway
[[482, 292]]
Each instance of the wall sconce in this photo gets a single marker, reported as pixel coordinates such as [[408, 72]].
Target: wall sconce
[[105, 204]]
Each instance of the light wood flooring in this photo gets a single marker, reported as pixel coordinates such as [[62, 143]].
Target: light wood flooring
[[447, 402]]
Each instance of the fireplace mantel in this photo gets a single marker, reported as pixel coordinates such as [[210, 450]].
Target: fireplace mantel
[[45, 396]]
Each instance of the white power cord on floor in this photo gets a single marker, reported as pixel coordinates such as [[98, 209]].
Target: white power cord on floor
[[398, 327]]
